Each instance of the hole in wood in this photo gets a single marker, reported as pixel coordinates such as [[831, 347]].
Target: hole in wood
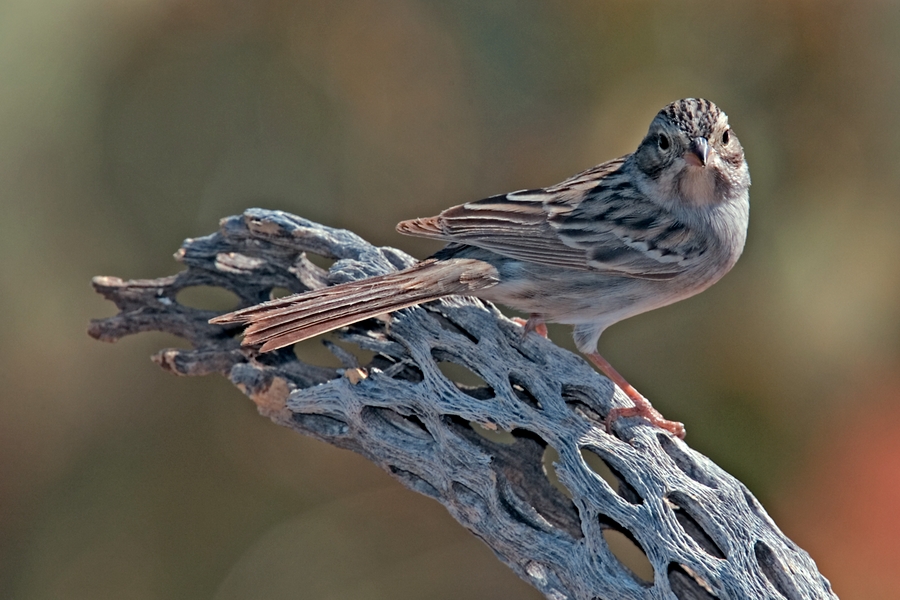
[[625, 547], [321, 424], [466, 495], [523, 393], [683, 507], [582, 401], [550, 499], [523, 486], [207, 297], [414, 482], [451, 326], [687, 585], [323, 262], [310, 274], [611, 476], [465, 379], [495, 435], [402, 370], [279, 292], [350, 355], [684, 462], [416, 422], [411, 425], [549, 457], [314, 352], [159, 339], [775, 572]]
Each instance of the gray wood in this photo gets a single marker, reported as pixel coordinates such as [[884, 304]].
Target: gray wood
[[701, 529]]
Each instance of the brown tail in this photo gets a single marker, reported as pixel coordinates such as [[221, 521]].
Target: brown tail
[[284, 321]]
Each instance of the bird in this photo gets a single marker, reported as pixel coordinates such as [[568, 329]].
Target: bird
[[624, 237]]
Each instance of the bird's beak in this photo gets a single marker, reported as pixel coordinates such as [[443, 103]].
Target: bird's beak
[[698, 152]]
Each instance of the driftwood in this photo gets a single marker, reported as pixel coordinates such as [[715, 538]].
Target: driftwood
[[704, 533]]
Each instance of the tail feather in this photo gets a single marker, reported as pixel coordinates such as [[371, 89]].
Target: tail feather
[[292, 332], [284, 321], [427, 227], [337, 299], [313, 316]]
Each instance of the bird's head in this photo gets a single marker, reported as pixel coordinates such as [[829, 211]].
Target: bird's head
[[691, 156]]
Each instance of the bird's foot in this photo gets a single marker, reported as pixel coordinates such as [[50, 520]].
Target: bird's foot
[[642, 407], [645, 410], [534, 323]]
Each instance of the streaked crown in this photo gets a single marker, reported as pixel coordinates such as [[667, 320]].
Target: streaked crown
[[695, 116]]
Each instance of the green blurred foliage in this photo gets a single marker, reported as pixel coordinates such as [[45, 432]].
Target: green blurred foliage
[[129, 126]]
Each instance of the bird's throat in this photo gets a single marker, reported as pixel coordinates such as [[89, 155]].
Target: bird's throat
[[697, 186]]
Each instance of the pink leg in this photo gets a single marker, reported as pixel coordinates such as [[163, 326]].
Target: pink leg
[[534, 323], [642, 406]]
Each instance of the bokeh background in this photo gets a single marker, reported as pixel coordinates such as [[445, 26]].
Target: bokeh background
[[126, 127]]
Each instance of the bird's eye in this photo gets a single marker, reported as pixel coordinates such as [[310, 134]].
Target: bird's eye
[[726, 137], [663, 142]]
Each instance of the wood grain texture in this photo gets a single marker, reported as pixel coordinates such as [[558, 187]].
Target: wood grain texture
[[704, 533]]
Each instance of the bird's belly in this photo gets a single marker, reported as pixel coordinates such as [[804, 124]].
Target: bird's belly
[[583, 297]]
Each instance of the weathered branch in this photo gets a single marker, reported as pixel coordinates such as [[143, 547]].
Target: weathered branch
[[705, 535]]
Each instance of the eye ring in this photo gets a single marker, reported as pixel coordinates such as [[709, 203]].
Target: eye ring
[[726, 137], [663, 142]]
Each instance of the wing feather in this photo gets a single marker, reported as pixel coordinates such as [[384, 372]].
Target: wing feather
[[595, 221]]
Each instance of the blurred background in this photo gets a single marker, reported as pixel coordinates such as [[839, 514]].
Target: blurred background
[[126, 127]]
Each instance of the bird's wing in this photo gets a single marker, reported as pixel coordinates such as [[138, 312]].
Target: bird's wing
[[593, 221]]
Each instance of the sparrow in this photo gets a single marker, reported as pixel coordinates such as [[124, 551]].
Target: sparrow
[[624, 237]]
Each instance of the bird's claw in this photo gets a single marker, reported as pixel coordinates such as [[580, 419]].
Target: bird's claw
[[534, 323], [649, 413]]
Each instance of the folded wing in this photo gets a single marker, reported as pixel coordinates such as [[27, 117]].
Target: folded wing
[[594, 221]]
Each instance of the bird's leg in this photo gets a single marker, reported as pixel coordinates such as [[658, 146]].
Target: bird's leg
[[642, 406], [534, 323]]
